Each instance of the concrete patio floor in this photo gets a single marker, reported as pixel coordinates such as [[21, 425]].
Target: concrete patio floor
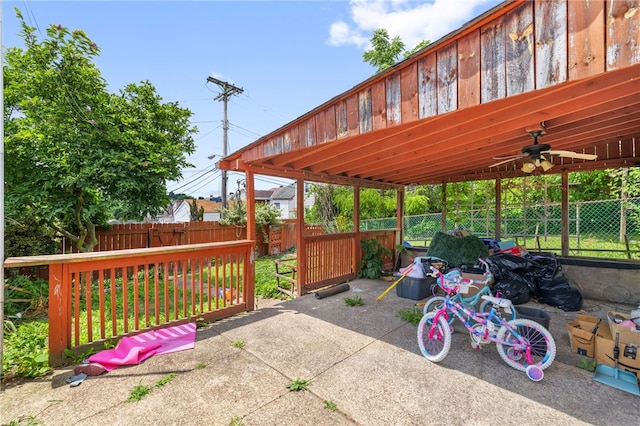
[[363, 360]]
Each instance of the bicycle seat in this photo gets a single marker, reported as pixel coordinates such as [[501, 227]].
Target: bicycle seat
[[499, 301]]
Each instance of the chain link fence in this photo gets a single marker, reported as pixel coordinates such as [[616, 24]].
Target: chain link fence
[[606, 228]]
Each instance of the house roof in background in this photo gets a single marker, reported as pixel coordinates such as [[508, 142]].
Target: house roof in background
[[284, 193], [263, 194]]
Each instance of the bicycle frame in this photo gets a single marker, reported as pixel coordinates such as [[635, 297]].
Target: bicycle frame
[[488, 320], [473, 300]]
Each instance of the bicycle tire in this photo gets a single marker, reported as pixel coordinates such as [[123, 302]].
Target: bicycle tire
[[435, 349], [486, 306], [543, 346], [433, 304]]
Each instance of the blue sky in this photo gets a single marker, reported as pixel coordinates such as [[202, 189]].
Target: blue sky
[[287, 56]]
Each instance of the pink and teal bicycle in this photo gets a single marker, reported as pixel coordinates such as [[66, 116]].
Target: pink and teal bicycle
[[437, 302], [522, 343]]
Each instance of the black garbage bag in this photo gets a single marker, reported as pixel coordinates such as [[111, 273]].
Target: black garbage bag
[[511, 262], [561, 293], [516, 291], [511, 268], [551, 267]]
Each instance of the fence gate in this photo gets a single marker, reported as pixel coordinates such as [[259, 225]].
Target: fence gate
[[168, 234]]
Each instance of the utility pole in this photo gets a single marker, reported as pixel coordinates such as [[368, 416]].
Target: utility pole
[[228, 90]]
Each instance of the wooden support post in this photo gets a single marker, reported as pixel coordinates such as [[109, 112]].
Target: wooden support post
[[249, 278], [498, 204], [59, 313], [565, 213], [301, 252], [443, 218]]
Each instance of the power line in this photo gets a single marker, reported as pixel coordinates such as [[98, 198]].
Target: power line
[[197, 177], [203, 184]]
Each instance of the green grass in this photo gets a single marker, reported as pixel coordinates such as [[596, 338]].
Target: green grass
[[606, 247], [239, 344], [265, 278]]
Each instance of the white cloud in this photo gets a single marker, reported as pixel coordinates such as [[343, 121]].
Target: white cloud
[[340, 33], [412, 21]]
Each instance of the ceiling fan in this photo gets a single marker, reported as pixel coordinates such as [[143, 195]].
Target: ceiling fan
[[538, 155]]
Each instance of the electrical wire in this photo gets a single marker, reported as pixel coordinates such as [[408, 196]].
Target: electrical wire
[[197, 177]]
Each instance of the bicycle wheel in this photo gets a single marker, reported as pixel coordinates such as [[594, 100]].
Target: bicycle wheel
[[436, 348], [433, 304], [507, 314], [543, 347]]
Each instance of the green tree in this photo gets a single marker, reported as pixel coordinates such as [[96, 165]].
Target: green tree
[[77, 154], [385, 52], [196, 213]]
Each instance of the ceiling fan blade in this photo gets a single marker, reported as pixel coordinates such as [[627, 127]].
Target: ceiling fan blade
[[571, 154], [505, 157], [508, 160]]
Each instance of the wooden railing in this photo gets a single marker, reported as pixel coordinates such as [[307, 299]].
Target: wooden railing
[[99, 296], [334, 258]]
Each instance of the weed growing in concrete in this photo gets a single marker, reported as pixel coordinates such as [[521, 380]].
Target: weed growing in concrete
[[236, 421], [354, 301], [588, 364], [25, 421], [166, 379], [412, 315], [330, 405], [138, 392], [299, 385], [239, 344], [201, 366]]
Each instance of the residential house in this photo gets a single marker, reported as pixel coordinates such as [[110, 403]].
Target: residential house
[[180, 211]]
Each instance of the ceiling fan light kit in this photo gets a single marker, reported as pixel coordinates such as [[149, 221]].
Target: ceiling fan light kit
[[528, 167], [546, 165], [537, 155]]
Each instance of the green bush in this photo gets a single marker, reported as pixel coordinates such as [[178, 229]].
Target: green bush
[[26, 352], [26, 237], [372, 259], [25, 296]]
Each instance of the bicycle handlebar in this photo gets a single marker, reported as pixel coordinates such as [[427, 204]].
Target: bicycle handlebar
[[457, 280]]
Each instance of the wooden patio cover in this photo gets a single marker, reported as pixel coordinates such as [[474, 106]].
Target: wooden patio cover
[[443, 114]]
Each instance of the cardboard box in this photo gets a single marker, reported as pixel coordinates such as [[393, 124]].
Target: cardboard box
[[581, 337], [629, 358], [474, 288], [627, 334]]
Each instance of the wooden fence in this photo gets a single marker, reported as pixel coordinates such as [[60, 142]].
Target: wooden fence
[[145, 235]]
